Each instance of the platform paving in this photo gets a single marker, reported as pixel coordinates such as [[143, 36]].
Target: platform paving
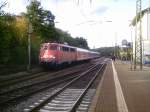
[[122, 89]]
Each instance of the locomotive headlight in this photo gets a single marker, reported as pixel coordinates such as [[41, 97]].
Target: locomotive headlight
[[46, 56], [51, 56]]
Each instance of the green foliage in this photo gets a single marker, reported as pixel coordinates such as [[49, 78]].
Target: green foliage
[[106, 51], [77, 42], [81, 42], [125, 53], [43, 26], [6, 37], [139, 16], [42, 20]]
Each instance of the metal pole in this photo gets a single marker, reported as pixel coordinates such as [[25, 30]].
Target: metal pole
[[29, 52], [115, 54], [141, 50], [131, 49], [138, 36], [148, 23], [29, 46], [135, 53]]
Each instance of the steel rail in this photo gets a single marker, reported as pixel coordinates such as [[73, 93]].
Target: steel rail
[[8, 78], [8, 82], [5, 91], [77, 103], [37, 107], [23, 78], [36, 91], [27, 86], [24, 95]]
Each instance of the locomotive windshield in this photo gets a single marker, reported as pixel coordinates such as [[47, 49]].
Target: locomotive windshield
[[53, 47], [44, 47]]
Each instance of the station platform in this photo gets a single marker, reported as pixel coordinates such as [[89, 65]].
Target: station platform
[[122, 89]]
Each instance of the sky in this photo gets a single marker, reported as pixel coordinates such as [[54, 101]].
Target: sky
[[102, 23]]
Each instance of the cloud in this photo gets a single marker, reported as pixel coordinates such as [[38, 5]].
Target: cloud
[[100, 10], [116, 0], [58, 1]]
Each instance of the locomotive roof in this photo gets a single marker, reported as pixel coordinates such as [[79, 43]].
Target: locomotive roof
[[62, 45], [78, 49]]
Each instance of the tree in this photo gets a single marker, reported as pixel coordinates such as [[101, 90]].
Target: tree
[[8, 38], [105, 51], [81, 42], [43, 25], [2, 4], [42, 20]]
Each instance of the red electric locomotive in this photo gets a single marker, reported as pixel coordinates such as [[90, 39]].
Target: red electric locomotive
[[54, 54]]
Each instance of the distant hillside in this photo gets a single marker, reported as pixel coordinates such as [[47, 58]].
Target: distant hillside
[[105, 51]]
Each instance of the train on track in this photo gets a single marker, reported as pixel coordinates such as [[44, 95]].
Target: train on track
[[55, 54]]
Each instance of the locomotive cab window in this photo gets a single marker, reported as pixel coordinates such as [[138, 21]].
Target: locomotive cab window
[[53, 47], [66, 49], [44, 47], [72, 50]]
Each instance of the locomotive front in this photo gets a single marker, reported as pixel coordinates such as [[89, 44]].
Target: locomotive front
[[48, 54]]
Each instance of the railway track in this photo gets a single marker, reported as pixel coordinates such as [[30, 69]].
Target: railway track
[[20, 99], [21, 93], [21, 74], [25, 91], [25, 81], [73, 96], [9, 81]]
